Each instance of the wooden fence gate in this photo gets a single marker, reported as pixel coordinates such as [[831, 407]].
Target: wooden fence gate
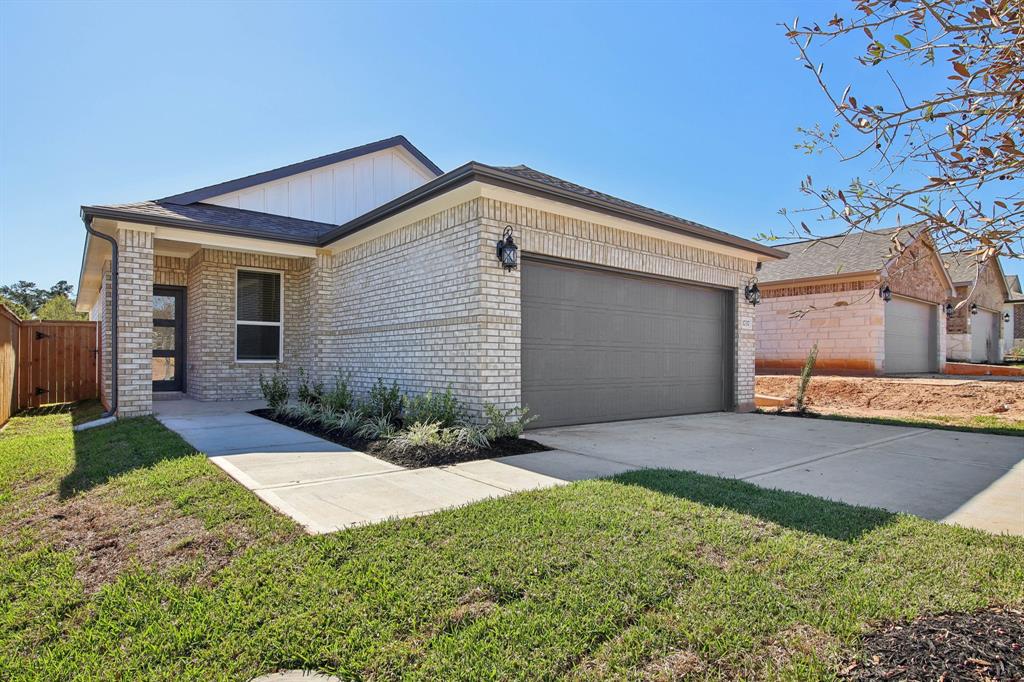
[[57, 362]]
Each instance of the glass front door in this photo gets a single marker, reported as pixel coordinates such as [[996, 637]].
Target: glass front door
[[168, 339]]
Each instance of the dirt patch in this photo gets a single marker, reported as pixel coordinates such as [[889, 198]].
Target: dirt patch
[[676, 665], [108, 538], [985, 645], [883, 397], [412, 458], [475, 604]]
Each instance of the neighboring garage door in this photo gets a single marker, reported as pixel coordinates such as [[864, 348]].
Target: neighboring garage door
[[602, 346], [910, 330], [984, 337]]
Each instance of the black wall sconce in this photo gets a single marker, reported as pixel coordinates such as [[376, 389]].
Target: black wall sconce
[[752, 293], [1006, 317], [885, 293], [949, 310], [974, 309], [508, 252]]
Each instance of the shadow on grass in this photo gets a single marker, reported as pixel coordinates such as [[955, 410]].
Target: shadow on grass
[[797, 511], [106, 452]]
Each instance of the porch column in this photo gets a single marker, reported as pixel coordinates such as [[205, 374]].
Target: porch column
[[135, 322], [745, 342]]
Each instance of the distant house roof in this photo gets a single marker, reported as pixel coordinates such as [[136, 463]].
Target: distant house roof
[[220, 219], [1013, 284], [857, 252], [204, 193], [962, 266]]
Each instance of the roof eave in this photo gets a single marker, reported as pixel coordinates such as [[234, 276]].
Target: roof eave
[[473, 171]]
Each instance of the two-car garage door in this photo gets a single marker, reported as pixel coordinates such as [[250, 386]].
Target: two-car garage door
[[603, 346]]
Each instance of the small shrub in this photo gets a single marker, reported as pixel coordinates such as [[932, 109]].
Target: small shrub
[[505, 423], [377, 428], [805, 377], [347, 422], [420, 434], [274, 389], [469, 436], [307, 413], [286, 411], [384, 401], [309, 393], [443, 409], [339, 398]]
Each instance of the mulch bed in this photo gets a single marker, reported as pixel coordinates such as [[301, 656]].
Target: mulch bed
[[984, 645], [413, 458]]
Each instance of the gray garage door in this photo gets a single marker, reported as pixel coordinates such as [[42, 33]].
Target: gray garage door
[[984, 337], [910, 331], [601, 346]]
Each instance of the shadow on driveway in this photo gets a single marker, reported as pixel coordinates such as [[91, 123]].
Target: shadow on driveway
[[797, 511]]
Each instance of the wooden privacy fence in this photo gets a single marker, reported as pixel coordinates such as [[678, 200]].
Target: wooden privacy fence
[[46, 361]]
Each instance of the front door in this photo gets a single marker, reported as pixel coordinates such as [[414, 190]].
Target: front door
[[168, 338]]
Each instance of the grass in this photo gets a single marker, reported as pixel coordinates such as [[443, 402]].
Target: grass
[[983, 423], [652, 574]]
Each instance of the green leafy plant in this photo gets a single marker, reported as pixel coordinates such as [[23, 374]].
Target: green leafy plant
[[420, 434], [340, 397], [805, 377], [307, 413], [274, 389], [309, 392], [384, 401], [443, 409], [469, 436], [377, 428], [505, 423]]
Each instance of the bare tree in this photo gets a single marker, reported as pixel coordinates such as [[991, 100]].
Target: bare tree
[[951, 160]]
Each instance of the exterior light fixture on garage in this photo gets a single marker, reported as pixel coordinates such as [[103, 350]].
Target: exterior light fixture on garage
[[508, 252], [1006, 317], [752, 292], [885, 293], [974, 309], [949, 310]]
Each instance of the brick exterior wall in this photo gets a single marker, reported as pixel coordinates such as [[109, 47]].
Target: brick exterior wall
[[1018, 321], [213, 373], [170, 271], [100, 313], [135, 322]]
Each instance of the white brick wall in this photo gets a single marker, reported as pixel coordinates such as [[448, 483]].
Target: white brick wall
[[134, 322]]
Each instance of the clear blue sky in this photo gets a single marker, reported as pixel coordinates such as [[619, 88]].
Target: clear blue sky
[[687, 107]]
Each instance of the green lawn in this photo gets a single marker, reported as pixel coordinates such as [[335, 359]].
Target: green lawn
[[124, 555]]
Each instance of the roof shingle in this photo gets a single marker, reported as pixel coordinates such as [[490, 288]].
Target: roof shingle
[[860, 251]]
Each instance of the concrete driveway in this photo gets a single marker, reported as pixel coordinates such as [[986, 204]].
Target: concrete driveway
[[971, 479], [974, 480]]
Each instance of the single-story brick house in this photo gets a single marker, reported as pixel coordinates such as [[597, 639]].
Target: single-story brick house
[[831, 292], [975, 330], [374, 262]]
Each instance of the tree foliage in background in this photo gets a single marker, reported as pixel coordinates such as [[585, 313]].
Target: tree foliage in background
[[26, 300], [952, 159]]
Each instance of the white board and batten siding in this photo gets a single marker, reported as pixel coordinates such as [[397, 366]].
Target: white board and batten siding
[[337, 193]]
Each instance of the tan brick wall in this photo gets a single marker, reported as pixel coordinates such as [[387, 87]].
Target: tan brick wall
[[135, 322], [988, 294], [100, 313], [170, 271], [848, 327], [916, 274], [213, 372]]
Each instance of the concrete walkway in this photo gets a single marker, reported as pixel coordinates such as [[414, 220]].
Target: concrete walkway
[[970, 479]]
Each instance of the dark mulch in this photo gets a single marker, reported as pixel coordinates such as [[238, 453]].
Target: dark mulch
[[985, 645], [413, 458]]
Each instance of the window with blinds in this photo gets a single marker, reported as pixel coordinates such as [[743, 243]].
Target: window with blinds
[[258, 320]]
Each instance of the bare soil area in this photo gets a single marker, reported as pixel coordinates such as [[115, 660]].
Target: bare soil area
[[910, 397]]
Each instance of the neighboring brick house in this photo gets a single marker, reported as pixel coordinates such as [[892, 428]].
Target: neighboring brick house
[[975, 329], [829, 292], [1013, 328], [375, 263]]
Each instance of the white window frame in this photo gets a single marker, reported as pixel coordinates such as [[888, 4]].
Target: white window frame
[[279, 324]]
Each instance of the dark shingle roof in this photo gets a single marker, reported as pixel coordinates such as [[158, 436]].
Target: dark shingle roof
[[528, 173], [221, 219], [845, 254], [961, 266]]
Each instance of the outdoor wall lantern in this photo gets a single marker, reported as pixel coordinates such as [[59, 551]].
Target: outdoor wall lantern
[[508, 252], [1006, 317], [752, 293], [974, 309], [885, 293], [949, 310]]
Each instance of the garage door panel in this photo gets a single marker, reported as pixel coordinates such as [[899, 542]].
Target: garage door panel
[[984, 337], [910, 329], [599, 346]]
